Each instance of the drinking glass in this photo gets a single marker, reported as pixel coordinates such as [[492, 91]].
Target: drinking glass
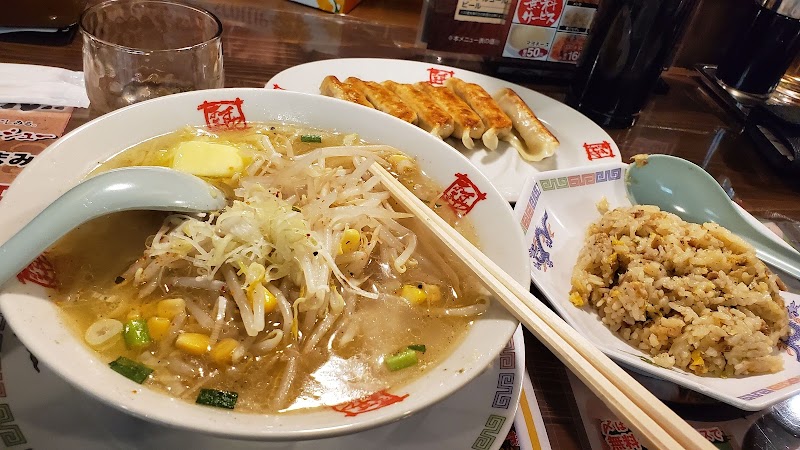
[[788, 90], [765, 45], [134, 50], [629, 44]]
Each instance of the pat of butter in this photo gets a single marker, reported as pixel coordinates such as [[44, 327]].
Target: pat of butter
[[207, 160]]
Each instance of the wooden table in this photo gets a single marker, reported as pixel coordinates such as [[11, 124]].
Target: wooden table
[[264, 37]]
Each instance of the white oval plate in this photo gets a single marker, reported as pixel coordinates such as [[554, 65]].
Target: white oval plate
[[569, 198], [478, 416], [582, 141], [40, 325]]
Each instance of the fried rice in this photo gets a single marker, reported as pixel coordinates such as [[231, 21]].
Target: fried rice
[[695, 297]]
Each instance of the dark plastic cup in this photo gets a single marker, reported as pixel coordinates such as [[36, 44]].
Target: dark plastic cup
[[629, 44]]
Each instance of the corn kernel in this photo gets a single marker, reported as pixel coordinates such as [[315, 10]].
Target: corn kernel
[[270, 302], [433, 293], [222, 352], [158, 327], [170, 307], [414, 294], [351, 240], [192, 343], [258, 291]]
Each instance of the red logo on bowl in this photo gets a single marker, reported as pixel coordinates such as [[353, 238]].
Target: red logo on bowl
[[533, 52], [369, 403], [599, 150], [462, 194], [3, 188], [543, 13], [437, 77], [40, 271], [225, 114], [277, 87]]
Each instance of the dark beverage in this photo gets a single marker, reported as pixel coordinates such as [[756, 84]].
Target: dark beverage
[[628, 46], [766, 44]]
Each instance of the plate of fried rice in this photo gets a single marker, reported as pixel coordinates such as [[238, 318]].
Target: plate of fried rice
[[684, 302]]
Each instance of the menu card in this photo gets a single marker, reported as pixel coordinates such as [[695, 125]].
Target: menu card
[[606, 432], [537, 30], [25, 131]]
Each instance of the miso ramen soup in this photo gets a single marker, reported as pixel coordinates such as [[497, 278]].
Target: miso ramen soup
[[310, 289]]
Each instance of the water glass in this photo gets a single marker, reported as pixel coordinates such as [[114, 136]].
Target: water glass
[[134, 50]]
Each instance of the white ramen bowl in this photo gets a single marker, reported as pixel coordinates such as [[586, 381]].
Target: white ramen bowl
[[39, 324]]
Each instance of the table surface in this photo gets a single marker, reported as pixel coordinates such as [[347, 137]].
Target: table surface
[[264, 37]]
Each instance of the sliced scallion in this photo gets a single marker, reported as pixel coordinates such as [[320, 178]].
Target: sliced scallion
[[216, 398], [311, 138], [417, 347], [136, 333], [130, 369], [400, 360]]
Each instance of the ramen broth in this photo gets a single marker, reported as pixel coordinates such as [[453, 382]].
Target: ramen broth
[[103, 275]]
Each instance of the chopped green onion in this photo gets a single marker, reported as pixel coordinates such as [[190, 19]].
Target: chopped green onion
[[417, 347], [296, 209], [130, 369], [219, 399], [311, 138], [401, 360], [136, 333]]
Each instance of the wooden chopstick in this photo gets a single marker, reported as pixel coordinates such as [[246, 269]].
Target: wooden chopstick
[[652, 421]]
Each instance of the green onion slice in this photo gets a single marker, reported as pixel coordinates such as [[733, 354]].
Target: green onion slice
[[136, 333], [130, 369], [417, 347], [219, 399], [311, 138], [400, 360]]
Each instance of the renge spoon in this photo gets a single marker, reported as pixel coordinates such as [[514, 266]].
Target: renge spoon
[[131, 188]]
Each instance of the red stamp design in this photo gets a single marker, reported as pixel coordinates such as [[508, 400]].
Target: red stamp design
[[369, 403], [277, 87], [462, 194], [618, 436], [226, 114], [437, 77], [3, 188], [599, 150], [40, 271], [543, 13]]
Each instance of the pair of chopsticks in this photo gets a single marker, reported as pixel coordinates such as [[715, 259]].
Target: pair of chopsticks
[[652, 421]]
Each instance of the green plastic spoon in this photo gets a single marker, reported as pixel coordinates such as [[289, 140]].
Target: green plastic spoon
[[132, 188], [686, 190]]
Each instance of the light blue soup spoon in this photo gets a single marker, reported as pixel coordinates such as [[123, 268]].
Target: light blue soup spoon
[[132, 188], [686, 190]]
